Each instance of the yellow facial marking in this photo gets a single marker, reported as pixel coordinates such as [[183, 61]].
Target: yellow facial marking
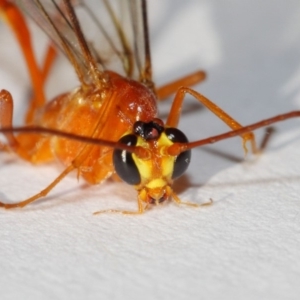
[[156, 171]]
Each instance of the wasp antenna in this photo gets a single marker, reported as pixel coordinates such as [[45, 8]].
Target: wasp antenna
[[177, 148], [139, 151], [230, 134]]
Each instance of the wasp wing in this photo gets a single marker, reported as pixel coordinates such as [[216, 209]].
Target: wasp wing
[[115, 32]]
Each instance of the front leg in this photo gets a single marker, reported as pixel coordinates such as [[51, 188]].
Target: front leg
[[141, 210]]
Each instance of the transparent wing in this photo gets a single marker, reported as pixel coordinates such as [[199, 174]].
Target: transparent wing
[[121, 40], [115, 31]]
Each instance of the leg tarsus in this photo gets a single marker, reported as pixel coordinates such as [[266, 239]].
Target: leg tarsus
[[179, 202], [141, 210], [268, 134], [249, 137]]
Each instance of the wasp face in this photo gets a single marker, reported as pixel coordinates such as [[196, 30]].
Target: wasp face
[[152, 176]]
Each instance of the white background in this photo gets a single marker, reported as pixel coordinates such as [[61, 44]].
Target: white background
[[245, 246]]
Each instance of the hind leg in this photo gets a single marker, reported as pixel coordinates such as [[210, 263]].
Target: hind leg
[[15, 19]]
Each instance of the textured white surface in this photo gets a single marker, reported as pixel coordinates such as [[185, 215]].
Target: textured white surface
[[245, 246]]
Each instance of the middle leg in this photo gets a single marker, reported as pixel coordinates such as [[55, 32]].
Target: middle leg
[[174, 115]]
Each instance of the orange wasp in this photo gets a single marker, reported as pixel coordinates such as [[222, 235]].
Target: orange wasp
[[108, 126]]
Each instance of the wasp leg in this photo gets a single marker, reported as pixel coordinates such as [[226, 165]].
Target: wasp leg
[[37, 102], [174, 115], [171, 88], [141, 210], [25, 150], [6, 114], [16, 21], [178, 201], [49, 59], [41, 194]]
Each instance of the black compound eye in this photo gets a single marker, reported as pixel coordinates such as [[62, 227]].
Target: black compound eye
[[124, 163], [183, 159]]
